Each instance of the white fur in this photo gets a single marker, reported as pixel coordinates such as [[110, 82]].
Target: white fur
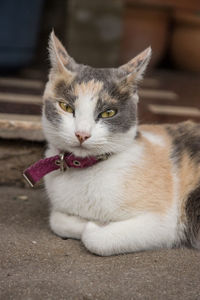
[[67, 226], [85, 105], [94, 193], [146, 231], [154, 138]]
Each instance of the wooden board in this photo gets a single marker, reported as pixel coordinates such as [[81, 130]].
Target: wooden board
[[28, 127], [179, 4], [20, 109]]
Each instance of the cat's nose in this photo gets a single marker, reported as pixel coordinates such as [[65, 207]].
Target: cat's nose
[[82, 136]]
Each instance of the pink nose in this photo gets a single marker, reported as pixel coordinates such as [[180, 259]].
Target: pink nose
[[82, 136]]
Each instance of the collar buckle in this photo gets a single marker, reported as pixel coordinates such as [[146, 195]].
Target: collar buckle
[[61, 162], [103, 157]]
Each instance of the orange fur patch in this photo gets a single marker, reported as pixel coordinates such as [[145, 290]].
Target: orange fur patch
[[91, 87], [106, 97], [54, 83], [61, 78], [149, 185]]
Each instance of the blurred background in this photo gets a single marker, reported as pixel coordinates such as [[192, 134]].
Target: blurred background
[[101, 33]]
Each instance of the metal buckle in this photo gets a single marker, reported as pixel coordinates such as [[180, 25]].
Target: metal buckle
[[28, 180], [103, 156], [61, 162]]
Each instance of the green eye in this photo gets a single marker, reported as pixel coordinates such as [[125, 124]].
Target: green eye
[[108, 113], [66, 107]]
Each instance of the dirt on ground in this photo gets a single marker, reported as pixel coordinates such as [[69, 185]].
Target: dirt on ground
[[36, 264], [15, 157]]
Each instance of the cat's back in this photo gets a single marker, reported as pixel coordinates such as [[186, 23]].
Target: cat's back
[[182, 139], [185, 138], [182, 145], [170, 168], [186, 155]]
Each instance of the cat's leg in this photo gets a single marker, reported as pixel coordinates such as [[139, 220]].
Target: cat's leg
[[67, 226], [140, 233]]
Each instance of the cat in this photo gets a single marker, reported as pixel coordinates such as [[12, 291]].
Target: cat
[[145, 192]]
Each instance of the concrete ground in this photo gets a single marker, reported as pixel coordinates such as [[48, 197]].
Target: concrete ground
[[36, 264]]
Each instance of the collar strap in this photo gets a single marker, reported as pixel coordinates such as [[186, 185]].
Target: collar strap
[[63, 161]]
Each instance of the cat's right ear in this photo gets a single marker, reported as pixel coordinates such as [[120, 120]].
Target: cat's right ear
[[59, 58], [133, 70]]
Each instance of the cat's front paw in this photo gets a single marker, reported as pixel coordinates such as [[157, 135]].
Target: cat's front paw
[[67, 226], [94, 240]]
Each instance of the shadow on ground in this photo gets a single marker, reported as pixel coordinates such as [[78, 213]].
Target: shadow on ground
[[36, 264]]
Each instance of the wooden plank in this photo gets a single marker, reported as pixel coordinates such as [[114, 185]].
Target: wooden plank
[[26, 127], [22, 83], [158, 94], [20, 98], [20, 108], [184, 4], [174, 110], [150, 82], [19, 117]]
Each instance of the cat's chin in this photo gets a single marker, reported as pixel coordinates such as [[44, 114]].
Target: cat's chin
[[83, 152]]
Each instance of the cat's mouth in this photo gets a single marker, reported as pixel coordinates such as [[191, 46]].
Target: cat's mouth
[[80, 150], [80, 147], [84, 150]]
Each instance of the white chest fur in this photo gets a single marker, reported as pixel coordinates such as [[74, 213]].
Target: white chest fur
[[95, 193]]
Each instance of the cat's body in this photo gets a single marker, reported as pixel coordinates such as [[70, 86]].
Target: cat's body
[[146, 194]]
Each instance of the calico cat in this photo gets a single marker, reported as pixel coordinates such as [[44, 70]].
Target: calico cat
[[145, 191]]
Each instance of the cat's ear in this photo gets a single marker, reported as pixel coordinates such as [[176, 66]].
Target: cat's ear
[[133, 70], [59, 58]]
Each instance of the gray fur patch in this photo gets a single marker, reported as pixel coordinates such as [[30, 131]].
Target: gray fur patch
[[64, 91], [71, 64], [186, 137], [109, 78], [140, 63], [193, 218], [86, 73], [51, 113], [125, 118]]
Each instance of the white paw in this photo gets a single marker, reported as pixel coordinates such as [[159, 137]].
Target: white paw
[[67, 226], [90, 237], [94, 240], [91, 227]]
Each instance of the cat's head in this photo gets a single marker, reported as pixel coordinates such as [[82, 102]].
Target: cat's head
[[91, 111]]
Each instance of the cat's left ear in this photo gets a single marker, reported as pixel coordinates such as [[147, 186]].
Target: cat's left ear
[[135, 68], [60, 59]]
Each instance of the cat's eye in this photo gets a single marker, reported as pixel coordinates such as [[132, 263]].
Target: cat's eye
[[66, 107], [108, 113]]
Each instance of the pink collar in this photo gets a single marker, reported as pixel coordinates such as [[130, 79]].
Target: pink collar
[[63, 161]]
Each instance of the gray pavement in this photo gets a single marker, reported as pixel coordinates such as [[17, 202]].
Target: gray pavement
[[36, 264]]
